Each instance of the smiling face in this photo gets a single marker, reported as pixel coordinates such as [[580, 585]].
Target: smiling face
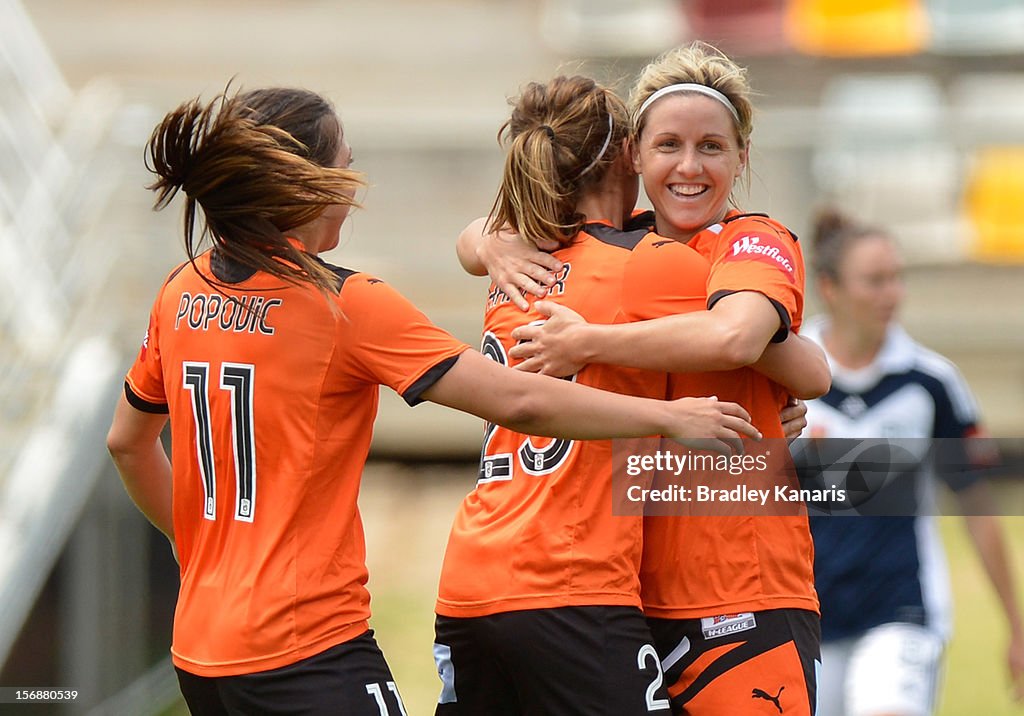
[[689, 155]]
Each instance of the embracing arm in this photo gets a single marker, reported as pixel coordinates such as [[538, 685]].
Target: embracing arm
[[540, 405], [514, 265], [797, 364], [731, 335], [468, 247], [134, 444]]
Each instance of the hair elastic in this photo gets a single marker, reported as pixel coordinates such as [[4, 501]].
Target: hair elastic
[[689, 87], [604, 147], [549, 131]]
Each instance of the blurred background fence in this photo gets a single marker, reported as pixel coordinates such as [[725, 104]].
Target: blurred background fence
[[908, 113]]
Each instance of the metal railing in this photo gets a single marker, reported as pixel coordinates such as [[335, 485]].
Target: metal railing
[[58, 370]]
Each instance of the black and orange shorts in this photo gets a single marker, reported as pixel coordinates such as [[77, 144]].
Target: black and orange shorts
[[749, 663]]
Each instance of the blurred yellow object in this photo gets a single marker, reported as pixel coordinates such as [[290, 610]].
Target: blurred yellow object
[[865, 28], [994, 204]]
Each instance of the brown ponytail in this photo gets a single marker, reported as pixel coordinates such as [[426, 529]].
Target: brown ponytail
[[562, 137], [833, 234], [258, 164]]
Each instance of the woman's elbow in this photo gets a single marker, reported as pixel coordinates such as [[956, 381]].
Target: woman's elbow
[[125, 440], [467, 248], [523, 416], [118, 444], [817, 383], [824, 383], [523, 409], [740, 348]]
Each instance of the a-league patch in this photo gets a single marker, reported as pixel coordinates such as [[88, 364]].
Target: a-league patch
[[764, 247], [726, 624]]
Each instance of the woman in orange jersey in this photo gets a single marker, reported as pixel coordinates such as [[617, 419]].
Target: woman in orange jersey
[[539, 595], [730, 599], [266, 361], [538, 605]]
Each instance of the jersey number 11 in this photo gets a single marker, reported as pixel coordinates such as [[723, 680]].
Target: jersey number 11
[[237, 380]]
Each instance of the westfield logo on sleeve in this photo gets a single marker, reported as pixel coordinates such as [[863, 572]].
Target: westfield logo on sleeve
[[766, 248]]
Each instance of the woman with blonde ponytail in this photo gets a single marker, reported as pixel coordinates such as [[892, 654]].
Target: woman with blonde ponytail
[[267, 361]]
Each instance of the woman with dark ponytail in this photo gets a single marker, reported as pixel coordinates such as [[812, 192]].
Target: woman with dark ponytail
[[885, 602], [213, 153], [267, 361]]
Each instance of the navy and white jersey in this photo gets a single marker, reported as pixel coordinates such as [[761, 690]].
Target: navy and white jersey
[[875, 570]]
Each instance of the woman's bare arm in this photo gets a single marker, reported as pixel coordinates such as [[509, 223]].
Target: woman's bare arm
[[539, 405]]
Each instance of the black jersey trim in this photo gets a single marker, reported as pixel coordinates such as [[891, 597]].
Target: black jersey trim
[[343, 274], [787, 323], [771, 223], [616, 237], [228, 270], [632, 233], [413, 394], [643, 220], [747, 215], [144, 405]]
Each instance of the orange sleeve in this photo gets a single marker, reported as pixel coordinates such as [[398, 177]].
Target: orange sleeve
[[144, 384], [757, 254], [392, 342]]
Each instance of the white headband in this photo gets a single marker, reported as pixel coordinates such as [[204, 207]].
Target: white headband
[[604, 147], [689, 87]]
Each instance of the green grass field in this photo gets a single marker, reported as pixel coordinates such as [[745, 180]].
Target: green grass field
[[976, 674], [407, 513]]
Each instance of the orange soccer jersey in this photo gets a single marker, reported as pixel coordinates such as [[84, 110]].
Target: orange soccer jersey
[[272, 391], [705, 565], [538, 530]]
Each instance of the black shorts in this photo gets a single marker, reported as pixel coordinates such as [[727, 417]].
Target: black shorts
[[755, 662], [568, 661], [350, 679]]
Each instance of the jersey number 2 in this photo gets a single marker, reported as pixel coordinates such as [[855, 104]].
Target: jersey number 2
[[532, 459], [237, 380], [648, 653]]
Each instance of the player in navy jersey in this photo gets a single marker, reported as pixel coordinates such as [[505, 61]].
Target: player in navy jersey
[[881, 580]]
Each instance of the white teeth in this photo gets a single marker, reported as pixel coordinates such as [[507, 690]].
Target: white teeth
[[687, 189]]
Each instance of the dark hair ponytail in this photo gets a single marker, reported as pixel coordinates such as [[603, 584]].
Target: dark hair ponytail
[[258, 164], [833, 234]]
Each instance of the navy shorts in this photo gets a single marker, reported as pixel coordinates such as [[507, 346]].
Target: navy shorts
[[350, 679], [566, 661]]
